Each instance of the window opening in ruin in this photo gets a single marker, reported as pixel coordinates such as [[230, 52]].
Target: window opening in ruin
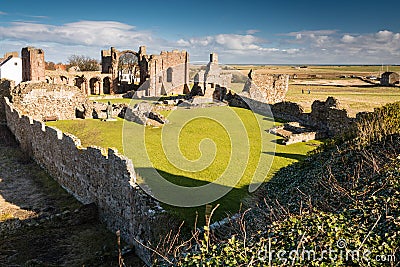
[[106, 85], [169, 75], [128, 69]]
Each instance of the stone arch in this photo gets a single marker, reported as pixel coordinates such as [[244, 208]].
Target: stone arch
[[170, 72], [49, 80], [95, 85], [107, 85], [127, 70], [127, 52], [81, 83], [63, 79]]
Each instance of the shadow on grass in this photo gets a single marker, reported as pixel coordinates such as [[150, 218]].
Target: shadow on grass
[[298, 157], [229, 203], [274, 120]]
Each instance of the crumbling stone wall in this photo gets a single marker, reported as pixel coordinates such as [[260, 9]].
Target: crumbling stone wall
[[89, 82], [210, 82], [167, 73], [33, 64], [43, 100], [93, 175], [328, 118], [267, 88], [5, 91]]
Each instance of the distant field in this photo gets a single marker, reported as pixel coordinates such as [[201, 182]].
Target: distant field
[[317, 69], [109, 134], [355, 95], [354, 99]]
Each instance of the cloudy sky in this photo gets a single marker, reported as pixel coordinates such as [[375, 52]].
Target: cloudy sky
[[259, 32]]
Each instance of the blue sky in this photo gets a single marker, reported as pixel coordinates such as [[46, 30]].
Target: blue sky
[[262, 32]]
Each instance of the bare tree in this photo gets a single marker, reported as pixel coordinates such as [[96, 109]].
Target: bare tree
[[49, 65], [84, 63]]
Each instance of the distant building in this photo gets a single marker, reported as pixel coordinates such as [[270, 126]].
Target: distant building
[[11, 69], [390, 78]]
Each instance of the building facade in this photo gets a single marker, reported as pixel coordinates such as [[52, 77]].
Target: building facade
[[11, 69]]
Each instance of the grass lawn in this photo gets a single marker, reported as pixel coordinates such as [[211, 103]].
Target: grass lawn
[[243, 163]]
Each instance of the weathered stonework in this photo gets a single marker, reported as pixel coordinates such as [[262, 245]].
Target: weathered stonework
[[167, 73], [33, 64], [326, 117], [43, 101], [210, 82], [5, 91], [90, 82], [267, 88], [164, 74], [93, 175]]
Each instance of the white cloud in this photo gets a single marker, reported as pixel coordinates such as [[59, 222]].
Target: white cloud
[[384, 36], [97, 33], [321, 46], [348, 38], [252, 31], [310, 33], [2, 13]]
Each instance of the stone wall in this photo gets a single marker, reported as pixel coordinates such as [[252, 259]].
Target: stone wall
[[267, 88], [164, 74], [210, 82], [93, 175], [5, 91], [42, 100], [328, 118], [90, 82]]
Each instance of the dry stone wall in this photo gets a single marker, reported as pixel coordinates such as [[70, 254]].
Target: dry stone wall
[[164, 74], [92, 175], [42, 100], [5, 91], [327, 117], [267, 88]]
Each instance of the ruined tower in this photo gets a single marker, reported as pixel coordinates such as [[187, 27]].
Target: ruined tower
[[33, 64]]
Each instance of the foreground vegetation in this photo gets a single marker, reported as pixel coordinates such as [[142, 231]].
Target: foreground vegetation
[[339, 207]]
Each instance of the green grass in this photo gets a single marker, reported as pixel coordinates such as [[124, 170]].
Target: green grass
[[260, 149]]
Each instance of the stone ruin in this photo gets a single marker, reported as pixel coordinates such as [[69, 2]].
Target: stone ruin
[[211, 83], [326, 119], [267, 88], [49, 102], [43, 101], [166, 73]]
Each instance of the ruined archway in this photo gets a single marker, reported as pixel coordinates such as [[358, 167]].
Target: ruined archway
[[128, 70], [107, 85], [49, 80], [95, 86], [81, 83], [63, 79]]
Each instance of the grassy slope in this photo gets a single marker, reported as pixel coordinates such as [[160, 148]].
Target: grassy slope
[[109, 134]]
